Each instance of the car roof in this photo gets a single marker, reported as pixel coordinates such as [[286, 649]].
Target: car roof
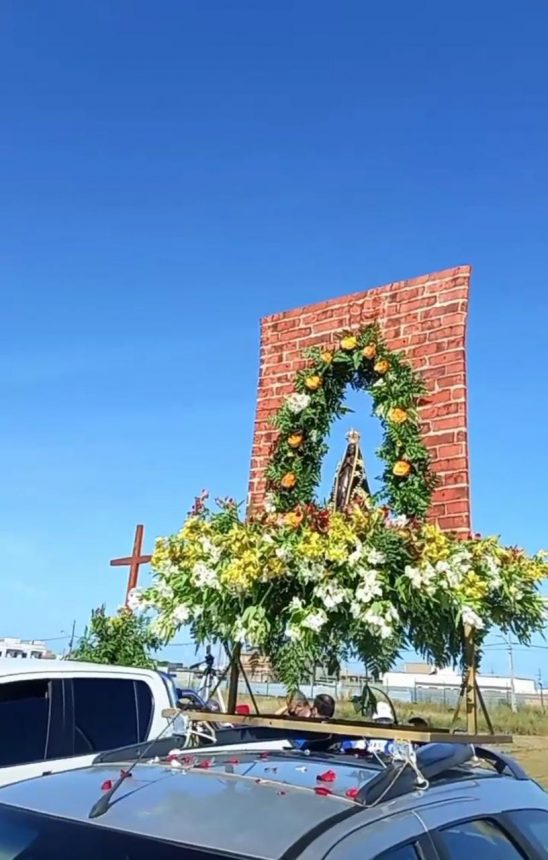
[[249, 804], [32, 665], [205, 807]]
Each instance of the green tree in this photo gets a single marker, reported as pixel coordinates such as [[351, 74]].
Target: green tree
[[124, 639]]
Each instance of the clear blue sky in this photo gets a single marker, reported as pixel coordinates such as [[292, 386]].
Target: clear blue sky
[[169, 173]]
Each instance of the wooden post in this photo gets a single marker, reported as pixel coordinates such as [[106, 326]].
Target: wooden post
[[233, 679], [471, 682]]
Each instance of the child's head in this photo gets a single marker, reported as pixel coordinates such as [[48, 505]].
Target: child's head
[[297, 703]]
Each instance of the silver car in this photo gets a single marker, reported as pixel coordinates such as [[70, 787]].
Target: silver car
[[451, 801]]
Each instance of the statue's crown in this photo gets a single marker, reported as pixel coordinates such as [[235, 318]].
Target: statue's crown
[[353, 437]]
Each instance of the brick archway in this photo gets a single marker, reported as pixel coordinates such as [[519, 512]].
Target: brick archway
[[424, 317]]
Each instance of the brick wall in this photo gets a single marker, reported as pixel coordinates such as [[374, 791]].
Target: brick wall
[[425, 318]]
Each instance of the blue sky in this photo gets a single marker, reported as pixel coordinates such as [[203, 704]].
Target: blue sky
[[170, 173]]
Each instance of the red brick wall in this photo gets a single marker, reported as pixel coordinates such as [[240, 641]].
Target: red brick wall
[[425, 318]]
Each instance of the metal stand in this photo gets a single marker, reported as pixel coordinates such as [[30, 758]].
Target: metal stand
[[470, 692]]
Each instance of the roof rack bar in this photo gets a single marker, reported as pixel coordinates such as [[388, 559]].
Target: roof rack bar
[[344, 728]]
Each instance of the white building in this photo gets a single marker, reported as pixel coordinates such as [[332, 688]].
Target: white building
[[23, 648], [447, 678]]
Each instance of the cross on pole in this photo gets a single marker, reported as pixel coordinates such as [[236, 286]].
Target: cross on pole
[[134, 561]]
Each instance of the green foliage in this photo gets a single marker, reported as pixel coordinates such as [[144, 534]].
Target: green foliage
[[125, 639]]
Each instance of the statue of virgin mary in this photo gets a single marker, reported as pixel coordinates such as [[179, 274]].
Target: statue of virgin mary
[[351, 475]]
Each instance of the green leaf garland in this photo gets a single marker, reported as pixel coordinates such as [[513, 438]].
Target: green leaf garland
[[364, 362]]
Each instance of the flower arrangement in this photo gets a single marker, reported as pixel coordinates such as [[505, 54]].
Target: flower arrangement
[[306, 584], [317, 585]]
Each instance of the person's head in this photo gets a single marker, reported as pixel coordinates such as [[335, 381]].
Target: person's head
[[419, 723], [297, 704], [324, 706]]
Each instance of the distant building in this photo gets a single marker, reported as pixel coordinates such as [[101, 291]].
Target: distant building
[[447, 678], [25, 648]]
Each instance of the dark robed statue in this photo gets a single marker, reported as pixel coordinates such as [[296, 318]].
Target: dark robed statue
[[351, 476]]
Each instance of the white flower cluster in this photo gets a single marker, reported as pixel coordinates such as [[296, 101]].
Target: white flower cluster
[[369, 587], [213, 552], [135, 600], [471, 618], [315, 620], [297, 402], [382, 624], [204, 576], [331, 594]]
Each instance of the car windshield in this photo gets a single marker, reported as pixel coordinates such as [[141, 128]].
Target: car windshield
[[29, 836]]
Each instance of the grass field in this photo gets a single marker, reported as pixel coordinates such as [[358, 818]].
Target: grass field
[[529, 726]]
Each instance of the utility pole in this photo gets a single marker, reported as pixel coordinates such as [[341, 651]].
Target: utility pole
[[71, 643], [513, 702], [541, 688]]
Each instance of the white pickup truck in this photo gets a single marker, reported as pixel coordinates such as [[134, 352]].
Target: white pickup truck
[[58, 715]]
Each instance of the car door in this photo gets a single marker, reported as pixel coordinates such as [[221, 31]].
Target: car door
[[399, 836], [108, 712], [33, 726], [476, 827]]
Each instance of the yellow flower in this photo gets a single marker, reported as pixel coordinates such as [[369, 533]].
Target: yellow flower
[[295, 440], [397, 415], [370, 351], [288, 481], [293, 519], [313, 382], [401, 468], [327, 357], [349, 343], [381, 366], [311, 545]]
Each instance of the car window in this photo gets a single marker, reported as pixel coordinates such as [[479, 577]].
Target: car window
[[24, 720], [481, 838], [404, 852], [110, 713], [533, 823], [28, 836]]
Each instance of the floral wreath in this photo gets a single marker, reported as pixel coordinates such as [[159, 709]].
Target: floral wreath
[[364, 362]]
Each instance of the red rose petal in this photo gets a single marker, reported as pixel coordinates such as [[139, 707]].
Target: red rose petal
[[327, 776], [263, 755], [188, 760], [204, 764], [172, 757], [323, 791], [107, 785], [352, 792], [233, 761]]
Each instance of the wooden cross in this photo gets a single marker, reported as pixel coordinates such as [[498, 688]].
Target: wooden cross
[[134, 561]]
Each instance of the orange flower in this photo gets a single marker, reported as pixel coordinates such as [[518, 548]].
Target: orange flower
[[295, 440], [293, 519], [288, 481], [370, 351], [397, 415], [381, 366], [327, 357], [349, 343], [401, 468], [313, 382]]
